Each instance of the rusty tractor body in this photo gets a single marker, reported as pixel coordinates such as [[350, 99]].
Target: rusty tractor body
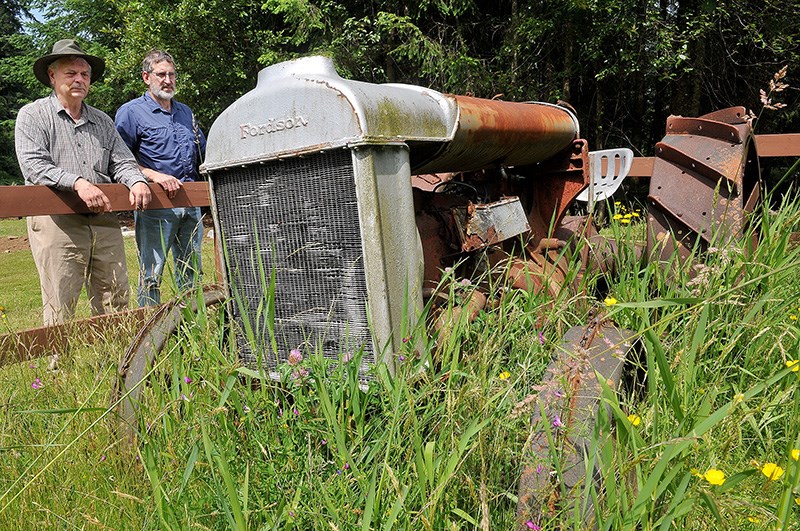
[[338, 204], [353, 198]]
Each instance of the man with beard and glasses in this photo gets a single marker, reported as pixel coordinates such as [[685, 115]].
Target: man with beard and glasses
[[168, 145], [63, 143]]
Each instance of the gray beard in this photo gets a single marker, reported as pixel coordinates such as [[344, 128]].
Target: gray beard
[[158, 93]]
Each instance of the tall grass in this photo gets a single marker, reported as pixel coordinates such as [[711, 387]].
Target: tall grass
[[439, 444]]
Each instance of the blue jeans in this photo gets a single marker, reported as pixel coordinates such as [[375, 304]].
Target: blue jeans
[[158, 232]]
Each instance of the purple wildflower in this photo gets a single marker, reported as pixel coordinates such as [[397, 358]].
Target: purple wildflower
[[557, 422], [530, 525], [295, 357], [539, 468], [401, 357], [102, 458], [558, 393], [347, 357], [295, 411], [541, 338], [187, 379], [465, 282], [324, 442], [37, 384]]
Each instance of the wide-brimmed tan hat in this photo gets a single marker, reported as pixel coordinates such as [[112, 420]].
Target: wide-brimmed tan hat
[[67, 48]]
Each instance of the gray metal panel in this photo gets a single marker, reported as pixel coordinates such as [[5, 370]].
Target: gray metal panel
[[299, 219], [304, 106]]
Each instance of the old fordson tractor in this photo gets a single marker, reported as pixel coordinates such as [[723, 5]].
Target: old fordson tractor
[[357, 196], [347, 200]]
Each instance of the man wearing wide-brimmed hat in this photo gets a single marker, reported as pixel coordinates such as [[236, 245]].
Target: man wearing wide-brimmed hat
[[63, 143]]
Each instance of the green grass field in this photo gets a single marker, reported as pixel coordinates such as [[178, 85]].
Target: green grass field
[[22, 300], [712, 443]]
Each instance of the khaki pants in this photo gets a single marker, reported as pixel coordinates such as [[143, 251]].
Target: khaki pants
[[74, 250]]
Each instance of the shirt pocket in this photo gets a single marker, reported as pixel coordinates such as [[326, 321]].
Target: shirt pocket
[[98, 156]]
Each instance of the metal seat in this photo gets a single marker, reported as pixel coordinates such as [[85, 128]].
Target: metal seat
[[602, 186]]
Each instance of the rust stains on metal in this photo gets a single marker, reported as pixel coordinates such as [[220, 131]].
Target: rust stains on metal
[[702, 184], [499, 133], [481, 225]]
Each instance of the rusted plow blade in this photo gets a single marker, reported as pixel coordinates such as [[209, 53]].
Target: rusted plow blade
[[563, 417], [705, 180]]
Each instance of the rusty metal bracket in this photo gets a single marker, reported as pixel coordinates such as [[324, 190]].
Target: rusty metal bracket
[[482, 225]]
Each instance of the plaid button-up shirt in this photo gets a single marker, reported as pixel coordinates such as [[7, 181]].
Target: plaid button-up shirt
[[54, 150]]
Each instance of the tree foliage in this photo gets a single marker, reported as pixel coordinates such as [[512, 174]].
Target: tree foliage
[[624, 65]]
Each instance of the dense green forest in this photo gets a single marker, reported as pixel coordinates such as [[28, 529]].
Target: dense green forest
[[624, 65]]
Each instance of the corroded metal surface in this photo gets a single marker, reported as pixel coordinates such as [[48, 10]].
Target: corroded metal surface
[[493, 133], [555, 187], [563, 417], [705, 181], [481, 225], [136, 362]]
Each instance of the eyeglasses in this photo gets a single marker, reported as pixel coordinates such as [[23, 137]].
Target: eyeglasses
[[164, 75]]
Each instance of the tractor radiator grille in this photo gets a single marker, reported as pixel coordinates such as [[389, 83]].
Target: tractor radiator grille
[[296, 219]]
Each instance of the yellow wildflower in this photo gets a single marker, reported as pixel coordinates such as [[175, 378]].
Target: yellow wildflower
[[634, 419], [794, 365], [505, 375], [795, 453], [610, 301], [625, 221], [772, 471], [754, 519], [797, 500], [714, 476], [635, 214], [793, 317], [617, 216]]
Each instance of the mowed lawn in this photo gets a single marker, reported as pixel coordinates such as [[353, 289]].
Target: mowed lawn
[[20, 298]]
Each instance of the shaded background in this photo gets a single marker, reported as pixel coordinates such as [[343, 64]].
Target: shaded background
[[624, 65]]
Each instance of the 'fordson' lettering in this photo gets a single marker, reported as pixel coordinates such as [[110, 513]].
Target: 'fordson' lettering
[[272, 126]]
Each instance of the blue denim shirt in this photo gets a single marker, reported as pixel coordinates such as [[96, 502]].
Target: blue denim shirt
[[160, 140]]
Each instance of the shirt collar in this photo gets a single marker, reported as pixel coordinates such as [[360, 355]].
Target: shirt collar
[[85, 114], [153, 106]]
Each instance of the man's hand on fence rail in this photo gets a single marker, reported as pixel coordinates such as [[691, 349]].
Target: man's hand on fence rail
[[21, 201]]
